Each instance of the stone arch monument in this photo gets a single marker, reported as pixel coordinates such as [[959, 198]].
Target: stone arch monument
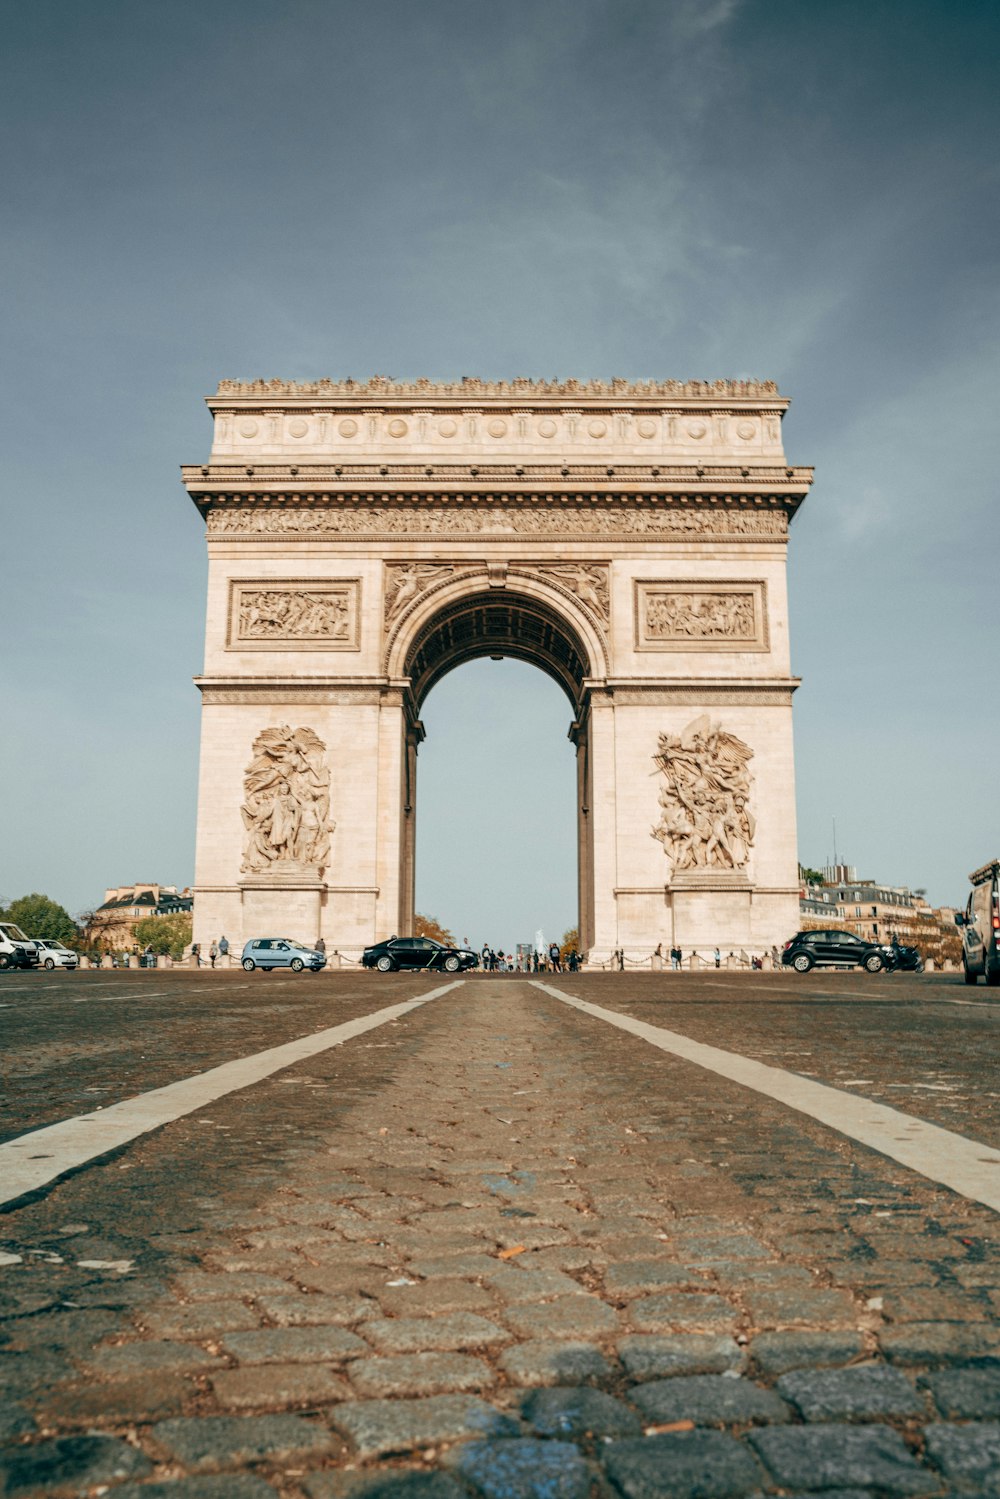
[[628, 539]]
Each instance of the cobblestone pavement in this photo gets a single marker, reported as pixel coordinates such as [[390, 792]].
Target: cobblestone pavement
[[498, 1248]]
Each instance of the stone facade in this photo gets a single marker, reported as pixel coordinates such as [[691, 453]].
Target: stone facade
[[628, 539]]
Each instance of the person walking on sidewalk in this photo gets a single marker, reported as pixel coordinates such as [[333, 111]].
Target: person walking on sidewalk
[[554, 957], [213, 952]]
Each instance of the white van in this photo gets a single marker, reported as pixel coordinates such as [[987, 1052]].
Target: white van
[[980, 923], [16, 950]]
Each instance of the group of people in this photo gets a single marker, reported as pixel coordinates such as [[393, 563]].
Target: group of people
[[550, 961], [216, 950]]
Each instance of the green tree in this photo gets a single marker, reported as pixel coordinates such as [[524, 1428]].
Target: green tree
[[38, 916], [165, 934], [427, 926], [810, 876]]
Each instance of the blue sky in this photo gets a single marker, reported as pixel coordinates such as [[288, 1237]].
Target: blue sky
[[688, 188]]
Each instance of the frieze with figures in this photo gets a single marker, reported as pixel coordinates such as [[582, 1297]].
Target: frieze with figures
[[293, 614], [496, 521]]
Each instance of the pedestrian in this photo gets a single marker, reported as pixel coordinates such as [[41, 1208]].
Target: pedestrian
[[196, 953], [320, 945], [223, 947], [775, 956], [213, 952], [554, 957], [680, 958], [574, 960], [718, 958], [675, 959]]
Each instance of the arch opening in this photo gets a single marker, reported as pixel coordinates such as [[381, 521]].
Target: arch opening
[[495, 818], [523, 625]]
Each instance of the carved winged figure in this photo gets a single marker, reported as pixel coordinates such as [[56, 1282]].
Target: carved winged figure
[[404, 581], [705, 821]]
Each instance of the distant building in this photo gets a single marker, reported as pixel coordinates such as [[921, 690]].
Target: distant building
[[816, 913], [878, 912], [113, 923]]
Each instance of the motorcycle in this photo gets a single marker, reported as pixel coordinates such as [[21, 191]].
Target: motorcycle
[[902, 959]]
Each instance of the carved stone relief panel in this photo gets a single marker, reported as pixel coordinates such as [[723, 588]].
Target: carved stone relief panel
[[589, 581], [286, 805], [289, 614], [683, 615], [705, 820]]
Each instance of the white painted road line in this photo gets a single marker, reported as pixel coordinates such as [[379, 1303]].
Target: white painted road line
[[965, 1166], [32, 1161]]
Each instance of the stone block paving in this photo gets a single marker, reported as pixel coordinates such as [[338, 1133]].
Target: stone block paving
[[524, 1257]]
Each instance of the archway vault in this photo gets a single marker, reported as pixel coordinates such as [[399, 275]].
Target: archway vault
[[472, 621]]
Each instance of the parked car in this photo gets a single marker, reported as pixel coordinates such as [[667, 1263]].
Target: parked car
[[55, 955], [16, 950], [417, 952], [281, 952], [834, 949], [980, 923]]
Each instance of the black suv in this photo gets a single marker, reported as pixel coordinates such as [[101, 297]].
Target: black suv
[[832, 950], [417, 952]]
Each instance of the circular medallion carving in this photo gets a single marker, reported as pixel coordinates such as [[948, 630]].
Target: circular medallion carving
[[298, 428], [348, 427], [397, 428], [746, 430], [248, 429], [646, 428], [447, 428], [497, 428], [696, 429], [597, 429], [546, 428]]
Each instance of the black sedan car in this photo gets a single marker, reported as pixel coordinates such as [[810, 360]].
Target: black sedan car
[[417, 952], [833, 949]]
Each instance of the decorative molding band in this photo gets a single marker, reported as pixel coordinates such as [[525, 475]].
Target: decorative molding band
[[428, 392], [697, 695], [526, 479], [276, 694]]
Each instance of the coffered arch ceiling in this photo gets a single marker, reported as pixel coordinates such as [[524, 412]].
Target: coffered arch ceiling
[[494, 623]]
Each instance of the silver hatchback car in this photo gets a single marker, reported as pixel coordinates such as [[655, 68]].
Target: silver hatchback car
[[281, 952]]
